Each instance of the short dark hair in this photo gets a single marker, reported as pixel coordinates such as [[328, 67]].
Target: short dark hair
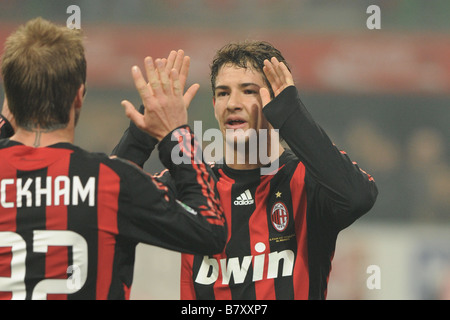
[[250, 53], [43, 66]]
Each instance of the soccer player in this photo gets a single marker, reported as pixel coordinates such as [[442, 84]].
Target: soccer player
[[283, 220], [70, 219]]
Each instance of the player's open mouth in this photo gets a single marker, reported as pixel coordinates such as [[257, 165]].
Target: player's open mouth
[[235, 123]]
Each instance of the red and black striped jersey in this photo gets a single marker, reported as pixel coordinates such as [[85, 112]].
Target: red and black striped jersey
[[283, 226], [70, 219]]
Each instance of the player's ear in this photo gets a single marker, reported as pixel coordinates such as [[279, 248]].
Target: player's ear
[[78, 102], [79, 97]]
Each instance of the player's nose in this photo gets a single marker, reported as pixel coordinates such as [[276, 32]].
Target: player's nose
[[234, 103]]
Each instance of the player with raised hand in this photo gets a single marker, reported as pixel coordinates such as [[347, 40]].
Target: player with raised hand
[[282, 226]]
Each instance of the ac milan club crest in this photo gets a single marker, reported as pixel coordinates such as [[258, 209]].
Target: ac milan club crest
[[279, 217]]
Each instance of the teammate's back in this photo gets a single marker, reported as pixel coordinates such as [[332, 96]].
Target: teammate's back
[[70, 219]]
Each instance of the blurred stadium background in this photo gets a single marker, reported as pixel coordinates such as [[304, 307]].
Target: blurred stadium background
[[382, 95]]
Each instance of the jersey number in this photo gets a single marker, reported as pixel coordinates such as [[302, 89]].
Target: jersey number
[[42, 239]]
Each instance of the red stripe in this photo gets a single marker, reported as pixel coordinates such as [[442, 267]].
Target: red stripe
[[187, 291], [259, 233], [301, 270], [186, 139], [5, 269], [56, 259], [108, 195], [8, 215], [127, 292], [7, 223]]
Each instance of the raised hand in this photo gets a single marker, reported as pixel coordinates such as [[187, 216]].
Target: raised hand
[[162, 96], [279, 77]]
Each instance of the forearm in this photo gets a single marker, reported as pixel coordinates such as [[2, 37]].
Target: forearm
[[181, 154], [351, 189], [194, 182]]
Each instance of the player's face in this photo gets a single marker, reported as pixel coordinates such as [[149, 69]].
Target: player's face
[[237, 102]]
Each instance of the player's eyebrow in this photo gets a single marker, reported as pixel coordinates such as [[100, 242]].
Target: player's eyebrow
[[221, 88], [247, 84], [241, 85]]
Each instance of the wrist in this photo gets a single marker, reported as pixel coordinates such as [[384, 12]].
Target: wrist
[[174, 147], [170, 135]]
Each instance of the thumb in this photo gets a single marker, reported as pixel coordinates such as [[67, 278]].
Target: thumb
[[190, 94], [133, 114], [265, 96]]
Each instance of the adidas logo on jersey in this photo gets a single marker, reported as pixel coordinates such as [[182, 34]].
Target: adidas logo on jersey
[[244, 199]]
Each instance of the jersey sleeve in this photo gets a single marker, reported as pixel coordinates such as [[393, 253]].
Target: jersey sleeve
[[6, 130], [181, 212], [341, 190]]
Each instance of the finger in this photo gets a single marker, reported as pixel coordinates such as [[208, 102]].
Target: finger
[[170, 61], [153, 77], [141, 84], [268, 71], [287, 74], [276, 66], [176, 86], [280, 69], [184, 70], [147, 64], [271, 74], [265, 96], [133, 114], [178, 61], [165, 81], [190, 94]]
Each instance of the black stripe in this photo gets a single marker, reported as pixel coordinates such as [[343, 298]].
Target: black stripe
[[27, 220], [239, 244], [82, 219]]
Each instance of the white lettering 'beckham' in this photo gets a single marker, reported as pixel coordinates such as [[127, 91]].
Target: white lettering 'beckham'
[[60, 190]]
